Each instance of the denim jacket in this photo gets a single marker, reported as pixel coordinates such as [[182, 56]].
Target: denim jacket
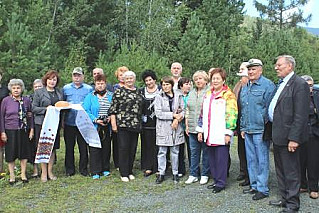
[[254, 101]]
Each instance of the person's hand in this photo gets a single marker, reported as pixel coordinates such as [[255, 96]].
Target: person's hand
[[31, 134], [174, 124], [179, 117], [114, 127], [4, 137], [292, 146], [242, 135], [100, 122], [227, 139], [29, 114], [200, 137], [187, 131]]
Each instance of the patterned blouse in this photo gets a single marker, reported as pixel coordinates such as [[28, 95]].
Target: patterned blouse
[[127, 108]]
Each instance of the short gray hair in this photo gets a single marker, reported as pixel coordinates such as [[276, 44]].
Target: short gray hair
[[129, 73], [36, 81], [14, 82], [289, 59], [307, 78]]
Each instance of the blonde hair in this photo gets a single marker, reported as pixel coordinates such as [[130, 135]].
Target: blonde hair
[[201, 73], [122, 69]]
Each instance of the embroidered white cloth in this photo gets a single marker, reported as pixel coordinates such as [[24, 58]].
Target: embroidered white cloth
[[50, 127]]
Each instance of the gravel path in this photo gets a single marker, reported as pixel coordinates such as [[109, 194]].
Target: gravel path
[[197, 198]]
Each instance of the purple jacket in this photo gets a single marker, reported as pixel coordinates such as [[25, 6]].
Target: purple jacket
[[9, 113]]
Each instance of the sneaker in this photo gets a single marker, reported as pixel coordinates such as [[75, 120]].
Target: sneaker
[[203, 180], [106, 173], [96, 177], [175, 178], [125, 179], [180, 175], [131, 177], [191, 179]]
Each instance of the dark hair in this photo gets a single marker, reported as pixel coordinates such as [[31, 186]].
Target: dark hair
[[168, 79], [50, 74], [149, 73], [100, 77], [221, 71], [183, 81]]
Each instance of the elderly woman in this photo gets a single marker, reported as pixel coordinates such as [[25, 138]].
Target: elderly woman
[[44, 97], [16, 128], [126, 115], [115, 149], [169, 110], [4, 92], [37, 84], [217, 122], [198, 149], [97, 105], [148, 137], [309, 159]]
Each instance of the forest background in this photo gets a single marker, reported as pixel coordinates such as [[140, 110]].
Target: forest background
[[37, 35]]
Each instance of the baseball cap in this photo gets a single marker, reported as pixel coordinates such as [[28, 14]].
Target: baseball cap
[[77, 70]]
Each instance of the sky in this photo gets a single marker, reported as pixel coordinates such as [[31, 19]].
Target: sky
[[311, 8]]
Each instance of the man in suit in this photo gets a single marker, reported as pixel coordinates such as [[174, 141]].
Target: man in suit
[[288, 112]]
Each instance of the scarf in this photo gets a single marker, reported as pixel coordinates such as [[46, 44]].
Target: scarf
[[22, 115]]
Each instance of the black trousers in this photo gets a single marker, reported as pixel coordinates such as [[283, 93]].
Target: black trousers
[[127, 141], [181, 155], [288, 174], [309, 163], [242, 157], [149, 150], [100, 157], [72, 135], [115, 150]]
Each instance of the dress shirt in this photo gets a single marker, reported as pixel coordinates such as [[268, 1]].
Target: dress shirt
[[273, 102]]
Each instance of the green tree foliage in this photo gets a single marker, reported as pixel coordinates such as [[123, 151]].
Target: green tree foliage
[[283, 12], [137, 59], [37, 35]]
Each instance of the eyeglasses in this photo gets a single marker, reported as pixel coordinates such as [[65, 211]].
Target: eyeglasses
[[310, 85]]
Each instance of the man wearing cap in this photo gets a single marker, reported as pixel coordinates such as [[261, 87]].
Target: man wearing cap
[[75, 93], [255, 98], [243, 172], [288, 112]]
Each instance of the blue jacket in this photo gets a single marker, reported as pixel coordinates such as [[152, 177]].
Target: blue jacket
[[254, 101], [92, 107]]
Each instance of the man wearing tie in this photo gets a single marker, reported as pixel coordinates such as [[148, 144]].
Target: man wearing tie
[[288, 112]]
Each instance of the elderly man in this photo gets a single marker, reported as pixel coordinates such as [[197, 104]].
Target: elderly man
[[254, 101], [176, 70], [288, 111], [75, 93], [243, 171], [99, 71]]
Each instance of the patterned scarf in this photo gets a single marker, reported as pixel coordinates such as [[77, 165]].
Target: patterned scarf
[[22, 114]]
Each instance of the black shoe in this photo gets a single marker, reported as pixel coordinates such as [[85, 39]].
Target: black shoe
[[159, 179], [25, 181], [212, 186], [218, 189], [69, 174], [84, 174], [289, 210], [245, 183], [250, 191], [278, 203], [240, 177], [11, 183], [175, 178], [259, 196]]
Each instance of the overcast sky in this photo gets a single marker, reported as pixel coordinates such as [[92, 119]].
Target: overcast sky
[[311, 8]]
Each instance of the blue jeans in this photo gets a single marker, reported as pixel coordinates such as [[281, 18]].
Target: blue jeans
[[197, 149], [257, 154]]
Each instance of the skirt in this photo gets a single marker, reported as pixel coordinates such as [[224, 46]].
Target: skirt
[[17, 146]]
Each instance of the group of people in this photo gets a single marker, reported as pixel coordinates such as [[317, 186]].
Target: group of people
[[202, 113]]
